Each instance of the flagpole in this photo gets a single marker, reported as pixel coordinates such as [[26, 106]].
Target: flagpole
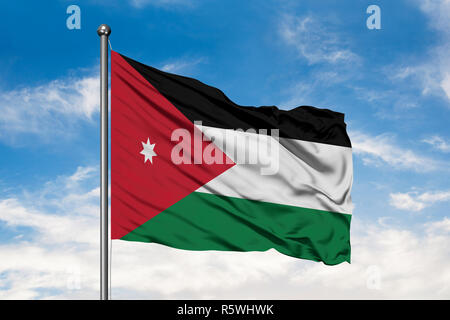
[[104, 31]]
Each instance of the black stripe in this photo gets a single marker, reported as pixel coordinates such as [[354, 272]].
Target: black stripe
[[200, 102]]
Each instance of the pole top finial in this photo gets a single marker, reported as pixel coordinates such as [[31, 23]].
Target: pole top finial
[[104, 30]]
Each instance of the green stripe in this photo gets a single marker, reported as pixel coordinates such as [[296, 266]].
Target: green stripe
[[203, 221]]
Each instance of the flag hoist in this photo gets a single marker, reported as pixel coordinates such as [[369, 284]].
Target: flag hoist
[[104, 31]]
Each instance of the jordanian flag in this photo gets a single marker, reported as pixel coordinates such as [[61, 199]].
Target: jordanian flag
[[192, 170]]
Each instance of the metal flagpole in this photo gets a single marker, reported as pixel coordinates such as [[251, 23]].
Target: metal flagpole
[[104, 31]]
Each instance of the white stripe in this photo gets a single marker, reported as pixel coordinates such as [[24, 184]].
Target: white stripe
[[310, 175]]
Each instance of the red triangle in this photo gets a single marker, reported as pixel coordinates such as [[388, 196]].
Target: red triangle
[[140, 190]]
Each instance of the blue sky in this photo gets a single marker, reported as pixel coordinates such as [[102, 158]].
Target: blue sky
[[393, 85]]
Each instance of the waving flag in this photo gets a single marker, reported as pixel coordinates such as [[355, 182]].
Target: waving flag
[[192, 170]]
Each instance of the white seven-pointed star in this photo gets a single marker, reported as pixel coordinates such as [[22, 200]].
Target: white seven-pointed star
[[148, 151]]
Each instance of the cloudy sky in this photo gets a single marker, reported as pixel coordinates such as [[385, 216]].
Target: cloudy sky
[[393, 85]]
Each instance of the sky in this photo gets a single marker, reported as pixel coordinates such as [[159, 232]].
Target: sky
[[393, 84]]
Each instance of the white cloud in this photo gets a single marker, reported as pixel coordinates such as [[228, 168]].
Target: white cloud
[[405, 201], [60, 259], [47, 109], [311, 90], [56, 204], [381, 150], [51, 227], [181, 65], [438, 143], [445, 84], [314, 41], [430, 77], [432, 197], [414, 201], [82, 173], [432, 74], [439, 11], [439, 227]]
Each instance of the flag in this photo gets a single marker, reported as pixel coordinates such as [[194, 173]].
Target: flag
[[192, 170]]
